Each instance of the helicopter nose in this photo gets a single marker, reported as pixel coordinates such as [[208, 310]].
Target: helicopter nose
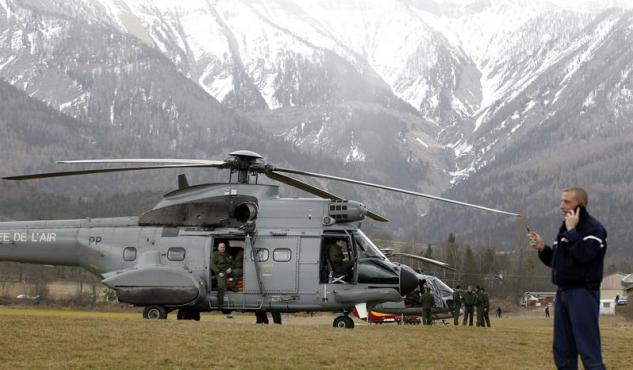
[[408, 281]]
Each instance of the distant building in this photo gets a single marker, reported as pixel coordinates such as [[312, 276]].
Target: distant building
[[612, 286], [607, 306], [537, 299], [627, 285]]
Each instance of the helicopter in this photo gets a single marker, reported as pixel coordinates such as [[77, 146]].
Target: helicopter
[[400, 312], [162, 260]]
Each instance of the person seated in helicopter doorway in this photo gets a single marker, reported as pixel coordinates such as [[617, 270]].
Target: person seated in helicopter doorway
[[222, 263], [340, 264]]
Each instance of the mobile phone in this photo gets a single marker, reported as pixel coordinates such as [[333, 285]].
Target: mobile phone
[[581, 208]]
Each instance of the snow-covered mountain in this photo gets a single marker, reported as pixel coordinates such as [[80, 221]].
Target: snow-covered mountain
[[455, 62], [415, 93]]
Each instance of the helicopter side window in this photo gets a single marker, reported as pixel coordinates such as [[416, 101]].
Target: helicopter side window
[[176, 254], [282, 255], [129, 254], [261, 254]]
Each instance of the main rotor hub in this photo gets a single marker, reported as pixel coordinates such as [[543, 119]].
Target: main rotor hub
[[246, 154], [245, 163]]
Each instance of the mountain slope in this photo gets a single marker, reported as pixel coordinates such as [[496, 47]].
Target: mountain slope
[[574, 129], [484, 101]]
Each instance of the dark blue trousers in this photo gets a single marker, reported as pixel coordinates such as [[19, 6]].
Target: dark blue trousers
[[576, 329]]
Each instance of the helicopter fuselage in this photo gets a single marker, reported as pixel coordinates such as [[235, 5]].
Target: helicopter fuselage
[[285, 248]]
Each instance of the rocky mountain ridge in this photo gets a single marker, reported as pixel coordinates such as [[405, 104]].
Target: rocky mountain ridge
[[483, 100]]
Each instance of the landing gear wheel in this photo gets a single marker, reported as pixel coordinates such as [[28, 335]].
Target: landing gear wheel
[[155, 313], [188, 314], [344, 322]]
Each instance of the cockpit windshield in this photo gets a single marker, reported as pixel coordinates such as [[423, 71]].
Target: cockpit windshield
[[445, 290], [366, 246]]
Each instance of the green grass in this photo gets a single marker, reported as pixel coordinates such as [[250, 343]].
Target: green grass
[[60, 339]]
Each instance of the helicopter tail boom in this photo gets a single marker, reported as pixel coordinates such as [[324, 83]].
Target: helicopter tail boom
[[43, 246]]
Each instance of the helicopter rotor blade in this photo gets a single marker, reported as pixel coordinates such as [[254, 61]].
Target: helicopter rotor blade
[[316, 191], [390, 188], [101, 170], [376, 217], [302, 185], [431, 261], [148, 160]]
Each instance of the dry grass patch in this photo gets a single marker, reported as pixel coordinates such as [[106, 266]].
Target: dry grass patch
[[62, 339]]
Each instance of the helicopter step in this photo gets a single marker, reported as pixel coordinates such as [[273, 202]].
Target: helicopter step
[[229, 303]]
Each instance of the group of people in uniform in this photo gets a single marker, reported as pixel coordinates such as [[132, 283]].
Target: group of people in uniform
[[474, 300]]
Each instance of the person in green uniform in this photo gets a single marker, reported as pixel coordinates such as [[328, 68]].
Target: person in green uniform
[[479, 306], [340, 264], [222, 263], [469, 303], [486, 307], [457, 304], [427, 302]]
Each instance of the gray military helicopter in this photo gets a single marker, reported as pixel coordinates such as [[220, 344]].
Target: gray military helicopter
[[397, 311], [162, 259], [442, 294]]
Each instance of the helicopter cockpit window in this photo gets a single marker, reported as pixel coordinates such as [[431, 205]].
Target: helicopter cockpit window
[[282, 255], [129, 254], [366, 246], [444, 289], [176, 254], [262, 255], [372, 272]]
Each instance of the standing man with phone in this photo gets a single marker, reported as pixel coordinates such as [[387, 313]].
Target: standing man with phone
[[576, 258]]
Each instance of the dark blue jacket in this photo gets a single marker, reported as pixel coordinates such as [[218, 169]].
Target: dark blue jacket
[[577, 255]]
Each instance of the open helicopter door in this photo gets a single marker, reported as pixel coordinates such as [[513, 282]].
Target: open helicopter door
[[329, 272], [236, 247]]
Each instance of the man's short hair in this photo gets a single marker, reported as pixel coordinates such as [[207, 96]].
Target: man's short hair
[[581, 194]]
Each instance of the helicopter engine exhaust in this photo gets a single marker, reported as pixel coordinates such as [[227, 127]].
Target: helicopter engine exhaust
[[246, 211]]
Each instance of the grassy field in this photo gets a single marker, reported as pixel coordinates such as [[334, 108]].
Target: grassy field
[[60, 339]]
